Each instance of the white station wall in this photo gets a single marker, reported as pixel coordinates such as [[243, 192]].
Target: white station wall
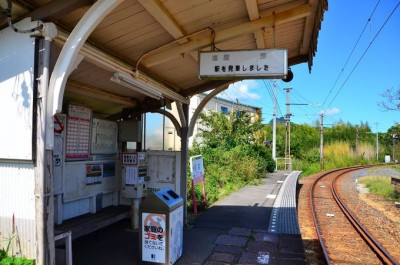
[[16, 92]]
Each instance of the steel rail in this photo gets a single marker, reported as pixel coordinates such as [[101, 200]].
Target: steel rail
[[375, 246]]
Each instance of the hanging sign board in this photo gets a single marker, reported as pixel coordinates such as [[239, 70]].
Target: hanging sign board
[[245, 64]]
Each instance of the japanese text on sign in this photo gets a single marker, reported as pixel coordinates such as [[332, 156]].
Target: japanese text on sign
[[243, 64], [197, 168], [153, 239]]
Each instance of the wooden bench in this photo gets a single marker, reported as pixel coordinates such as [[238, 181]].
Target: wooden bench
[[88, 223]]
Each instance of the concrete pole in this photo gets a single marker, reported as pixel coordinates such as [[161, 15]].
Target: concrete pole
[[274, 126], [357, 135], [377, 146], [321, 144], [287, 146], [393, 145]]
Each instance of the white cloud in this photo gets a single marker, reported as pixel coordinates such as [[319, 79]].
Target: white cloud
[[242, 90], [331, 111]]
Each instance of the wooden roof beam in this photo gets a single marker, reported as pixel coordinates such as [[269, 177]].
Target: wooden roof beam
[[162, 15], [199, 42], [166, 20], [252, 10], [57, 8], [308, 28]]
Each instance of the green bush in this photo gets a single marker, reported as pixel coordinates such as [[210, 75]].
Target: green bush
[[311, 156], [16, 261], [232, 155]]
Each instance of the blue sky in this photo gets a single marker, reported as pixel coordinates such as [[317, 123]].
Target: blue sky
[[354, 97]]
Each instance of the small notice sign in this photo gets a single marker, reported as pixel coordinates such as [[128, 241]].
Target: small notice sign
[[197, 168], [153, 239], [197, 172]]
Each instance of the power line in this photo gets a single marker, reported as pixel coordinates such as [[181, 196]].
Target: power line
[[351, 53], [310, 106], [269, 89], [362, 56]]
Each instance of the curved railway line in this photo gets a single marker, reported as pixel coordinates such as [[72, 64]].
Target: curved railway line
[[343, 238]]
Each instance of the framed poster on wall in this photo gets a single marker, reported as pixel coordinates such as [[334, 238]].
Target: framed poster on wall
[[78, 132]]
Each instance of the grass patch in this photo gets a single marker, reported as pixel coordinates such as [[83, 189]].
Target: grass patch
[[6, 260], [380, 185]]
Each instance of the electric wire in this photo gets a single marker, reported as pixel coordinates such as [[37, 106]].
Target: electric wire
[[351, 53], [362, 56], [269, 88]]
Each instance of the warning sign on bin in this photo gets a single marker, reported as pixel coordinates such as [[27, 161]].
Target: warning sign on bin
[[153, 239]]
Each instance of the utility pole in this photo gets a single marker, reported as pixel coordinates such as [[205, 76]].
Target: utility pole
[[274, 126], [394, 143], [287, 144], [377, 147], [356, 148], [377, 142], [321, 143]]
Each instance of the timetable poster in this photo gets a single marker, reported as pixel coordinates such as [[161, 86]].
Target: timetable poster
[[78, 132]]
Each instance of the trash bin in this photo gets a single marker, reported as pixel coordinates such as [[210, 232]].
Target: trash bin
[[161, 227]]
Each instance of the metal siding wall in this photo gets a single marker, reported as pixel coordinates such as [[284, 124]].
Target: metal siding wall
[[17, 185]]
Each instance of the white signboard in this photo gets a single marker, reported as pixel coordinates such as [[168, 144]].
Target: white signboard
[[131, 175], [153, 239], [197, 168], [266, 63], [104, 137]]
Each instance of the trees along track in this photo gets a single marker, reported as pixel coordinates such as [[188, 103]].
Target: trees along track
[[342, 237]]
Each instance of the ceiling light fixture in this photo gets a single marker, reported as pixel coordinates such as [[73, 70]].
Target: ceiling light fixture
[[136, 85], [147, 86]]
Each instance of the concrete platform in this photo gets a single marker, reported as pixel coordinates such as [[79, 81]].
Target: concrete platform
[[233, 231], [284, 212]]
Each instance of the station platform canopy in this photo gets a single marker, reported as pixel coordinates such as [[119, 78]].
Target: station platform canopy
[[154, 45]]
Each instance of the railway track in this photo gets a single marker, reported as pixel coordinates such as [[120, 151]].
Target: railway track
[[343, 238]]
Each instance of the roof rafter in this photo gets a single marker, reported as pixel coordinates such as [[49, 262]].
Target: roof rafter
[[161, 14], [252, 10], [200, 42], [57, 9], [166, 20]]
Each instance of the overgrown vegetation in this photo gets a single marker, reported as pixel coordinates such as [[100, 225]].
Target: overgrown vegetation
[[344, 145], [380, 185], [236, 151], [233, 153]]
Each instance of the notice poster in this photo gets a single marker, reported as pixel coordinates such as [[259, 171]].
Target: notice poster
[[153, 237], [78, 133]]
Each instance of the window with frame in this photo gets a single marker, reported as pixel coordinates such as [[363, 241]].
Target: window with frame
[[224, 110]]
